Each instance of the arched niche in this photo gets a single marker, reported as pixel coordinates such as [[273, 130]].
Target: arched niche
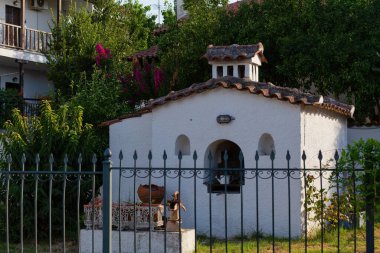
[[266, 145], [217, 178], [182, 144]]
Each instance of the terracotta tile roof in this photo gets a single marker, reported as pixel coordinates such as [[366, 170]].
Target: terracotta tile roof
[[234, 52], [366, 123], [160, 30], [234, 6], [147, 53], [269, 90]]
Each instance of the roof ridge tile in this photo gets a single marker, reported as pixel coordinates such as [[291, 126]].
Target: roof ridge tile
[[291, 95]]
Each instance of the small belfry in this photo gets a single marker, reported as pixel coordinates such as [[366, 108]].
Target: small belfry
[[241, 61]]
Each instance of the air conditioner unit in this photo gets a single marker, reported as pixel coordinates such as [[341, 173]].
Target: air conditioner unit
[[39, 4]]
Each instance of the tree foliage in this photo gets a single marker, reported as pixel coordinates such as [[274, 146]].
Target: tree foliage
[[329, 47], [183, 45], [123, 28], [57, 132], [9, 99], [363, 155]]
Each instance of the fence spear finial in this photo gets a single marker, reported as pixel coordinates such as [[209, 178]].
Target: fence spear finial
[[94, 158], [107, 153], [180, 155], [51, 159], [150, 156], [65, 159], [320, 156], [288, 155], [37, 158], [272, 155], [225, 155], [195, 156], [9, 158], [336, 156], [257, 156], [23, 158]]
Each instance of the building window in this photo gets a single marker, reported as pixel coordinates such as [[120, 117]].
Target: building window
[[230, 70], [224, 176], [182, 144], [219, 71], [266, 144], [241, 71]]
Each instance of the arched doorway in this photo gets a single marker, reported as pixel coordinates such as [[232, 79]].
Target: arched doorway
[[224, 175]]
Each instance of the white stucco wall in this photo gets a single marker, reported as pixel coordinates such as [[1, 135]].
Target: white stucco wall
[[34, 19], [355, 133], [180, 11], [38, 19], [293, 127], [321, 131], [36, 83], [196, 118]]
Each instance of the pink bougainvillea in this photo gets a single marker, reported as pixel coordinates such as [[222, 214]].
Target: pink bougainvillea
[[139, 79], [144, 82], [102, 54], [147, 67], [158, 77], [100, 49]]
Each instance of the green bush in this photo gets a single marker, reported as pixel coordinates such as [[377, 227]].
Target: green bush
[[358, 189], [363, 155], [9, 99], [57, 132]]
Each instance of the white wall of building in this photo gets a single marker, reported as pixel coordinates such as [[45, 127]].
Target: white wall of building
[[326, 132], [292, 127], [35, 19], [322, 130], [180, 11], [130, 135], [39, 19], [355, 133], [7, 74], [196, 118], [36, 84]]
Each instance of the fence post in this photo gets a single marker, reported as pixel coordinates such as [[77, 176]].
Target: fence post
[[107, 202], [370, 214]]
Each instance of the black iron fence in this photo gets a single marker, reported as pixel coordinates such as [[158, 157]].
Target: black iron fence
[[229, 209], [27, 106]]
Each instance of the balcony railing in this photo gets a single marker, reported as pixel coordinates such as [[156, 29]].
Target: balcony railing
[[27, 106], [35, 40]]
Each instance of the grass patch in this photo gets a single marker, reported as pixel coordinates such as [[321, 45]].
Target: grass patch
[[218, 246], [29, 247], [297, 245]]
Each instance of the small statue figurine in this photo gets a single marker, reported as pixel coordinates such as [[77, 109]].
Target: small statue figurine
[[174, 220]]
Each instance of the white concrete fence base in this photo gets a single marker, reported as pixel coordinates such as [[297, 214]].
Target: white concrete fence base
[[142, 241]]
